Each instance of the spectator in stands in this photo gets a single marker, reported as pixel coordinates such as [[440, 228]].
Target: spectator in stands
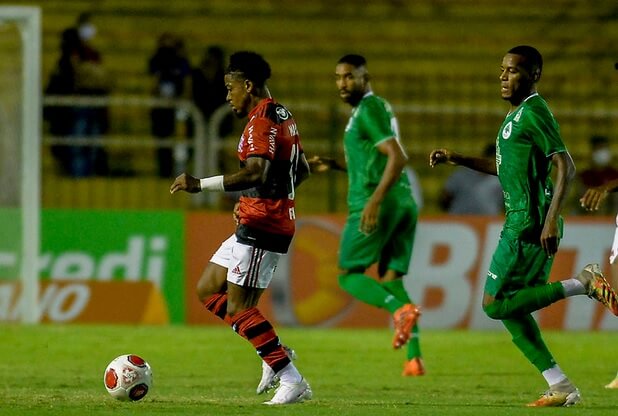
[[79, 72], [61, 119], [599, 172], [209, 93], [468, 192], [208, 86], [170, 69]]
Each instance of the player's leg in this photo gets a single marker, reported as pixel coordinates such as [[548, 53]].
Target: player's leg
[[526, 336], [589, 281], [250, 272], [357, 251], [508, 292], [212, 286], [414, 365], [517, 268], [399, 223]]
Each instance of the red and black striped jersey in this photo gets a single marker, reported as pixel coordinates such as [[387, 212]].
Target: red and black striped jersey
[[266, 213]]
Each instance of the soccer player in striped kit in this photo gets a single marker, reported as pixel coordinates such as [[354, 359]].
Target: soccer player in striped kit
[[272, 165], [527, 145]]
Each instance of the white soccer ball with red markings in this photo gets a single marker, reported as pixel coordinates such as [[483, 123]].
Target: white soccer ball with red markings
[[128, 377]]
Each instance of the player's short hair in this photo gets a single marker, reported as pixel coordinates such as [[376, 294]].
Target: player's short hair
[[251, 65], [534, 59], [353, 59]]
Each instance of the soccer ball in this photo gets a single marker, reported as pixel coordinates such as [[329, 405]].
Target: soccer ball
[[128, 377]]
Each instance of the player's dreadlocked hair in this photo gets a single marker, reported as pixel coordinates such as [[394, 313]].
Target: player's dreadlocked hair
[[533, 60], [353, 59], [251, 65]]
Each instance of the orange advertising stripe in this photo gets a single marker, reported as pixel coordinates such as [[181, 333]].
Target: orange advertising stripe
[[79, 301]]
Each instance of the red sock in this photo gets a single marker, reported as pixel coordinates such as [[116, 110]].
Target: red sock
[[217, 304], [252, 326]]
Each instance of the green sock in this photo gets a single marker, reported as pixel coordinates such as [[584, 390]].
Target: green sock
[[525, 301], [398, 290], [527, 337], [414, 345], [369, 291]]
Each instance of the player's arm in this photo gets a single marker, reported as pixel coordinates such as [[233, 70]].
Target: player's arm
[[319, 164], [565, 173], [395, 162], [252, 174], [303, 171], [593, 197], [481, 164]]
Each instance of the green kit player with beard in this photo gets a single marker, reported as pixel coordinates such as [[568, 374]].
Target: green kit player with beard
[[382, 213], [527, 146]]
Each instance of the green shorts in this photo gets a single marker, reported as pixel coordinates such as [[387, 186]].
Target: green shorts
[[515, 265], [390, 245]]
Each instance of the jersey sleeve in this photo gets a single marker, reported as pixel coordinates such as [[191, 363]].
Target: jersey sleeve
[[377, 122], [545, 131], [261, 138]]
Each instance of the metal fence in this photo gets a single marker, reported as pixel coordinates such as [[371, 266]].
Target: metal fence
[[466, 117]]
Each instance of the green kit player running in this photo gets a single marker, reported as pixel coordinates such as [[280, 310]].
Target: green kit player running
[[527, 146], [382, 213]]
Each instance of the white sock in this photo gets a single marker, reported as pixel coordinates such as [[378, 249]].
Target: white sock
[[573, 287], [554, 375], [289, 374]]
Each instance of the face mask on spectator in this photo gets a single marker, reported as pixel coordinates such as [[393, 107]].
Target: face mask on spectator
[[602, 157], [87, 31]]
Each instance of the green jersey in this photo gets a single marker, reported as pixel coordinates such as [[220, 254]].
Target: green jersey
[[526, 140], [371, 123]]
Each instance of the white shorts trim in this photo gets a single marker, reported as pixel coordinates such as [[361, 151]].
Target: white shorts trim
[[246, 266]]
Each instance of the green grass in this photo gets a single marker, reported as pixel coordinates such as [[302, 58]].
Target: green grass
[[58, 370]]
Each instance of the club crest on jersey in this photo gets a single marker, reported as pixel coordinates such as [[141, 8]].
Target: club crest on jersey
[[282, 113], [506, 131]]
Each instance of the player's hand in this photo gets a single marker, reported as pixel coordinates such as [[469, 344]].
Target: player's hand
[[549, 238], [235, 212], [439, 156], [319, 164], [591, 201], [369, 217], [186, 183]]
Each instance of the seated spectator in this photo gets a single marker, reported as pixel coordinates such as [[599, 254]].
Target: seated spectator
[[468, 192], [599, 171]]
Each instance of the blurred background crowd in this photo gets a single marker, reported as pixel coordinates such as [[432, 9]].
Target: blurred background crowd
[[151, 72]]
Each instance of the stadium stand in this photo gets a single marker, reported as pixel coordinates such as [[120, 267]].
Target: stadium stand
[[436, 61]]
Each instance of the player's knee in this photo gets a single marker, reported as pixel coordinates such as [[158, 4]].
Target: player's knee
[[211, 282], [202, 292], [492, 310], [345, 277]]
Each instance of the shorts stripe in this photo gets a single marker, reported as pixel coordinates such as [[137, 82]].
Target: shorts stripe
[[253, 273]]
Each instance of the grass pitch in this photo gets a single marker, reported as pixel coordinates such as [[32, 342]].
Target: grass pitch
[[58, 370]]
